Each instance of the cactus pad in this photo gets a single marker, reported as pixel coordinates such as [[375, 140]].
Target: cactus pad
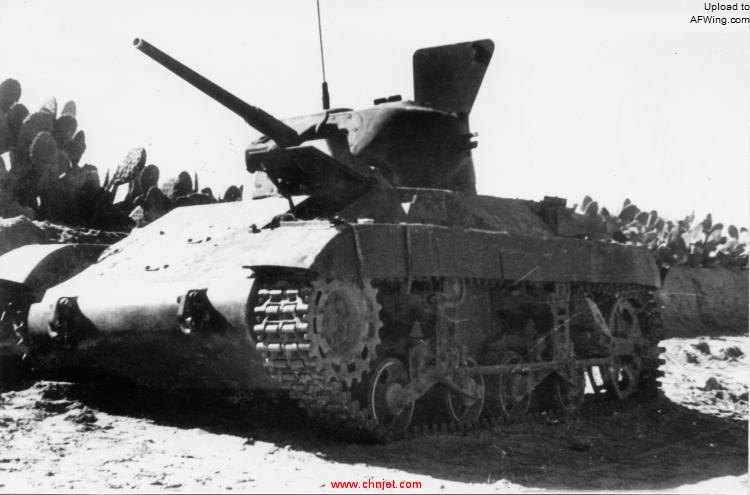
[[16, 115], [586, 200], [90, 177], [169, 188], [74, 179], [642, 218], [232, 193], [10, 92], [4, 132], [65, 129], [75, 147], [629, 212], [33, 125], [50, 106], [180, 186], [592, 209], [155, 204], [62, 164], [149, 177], [154, 195], [69, 109], [184, 184], [130, 167], [43, 151]]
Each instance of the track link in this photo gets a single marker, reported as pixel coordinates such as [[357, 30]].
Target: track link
[[283, 334]]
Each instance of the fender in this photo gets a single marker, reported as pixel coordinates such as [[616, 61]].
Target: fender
[[27, 272], [41, 266]]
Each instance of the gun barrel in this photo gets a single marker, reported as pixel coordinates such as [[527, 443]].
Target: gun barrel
[[255, 117]]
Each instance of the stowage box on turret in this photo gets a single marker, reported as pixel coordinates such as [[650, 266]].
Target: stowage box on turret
[[365, 276]]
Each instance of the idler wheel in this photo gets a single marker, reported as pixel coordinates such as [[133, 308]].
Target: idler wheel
[[514, 390], [570, 388], [384, 395], [621, 377], [461, 407], [623, 320]]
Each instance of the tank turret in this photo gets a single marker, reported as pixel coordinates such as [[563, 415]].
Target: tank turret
[[423, 143]]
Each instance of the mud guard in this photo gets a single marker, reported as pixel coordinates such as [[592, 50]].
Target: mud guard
[[25, 275], [156, 308], [41, 266]]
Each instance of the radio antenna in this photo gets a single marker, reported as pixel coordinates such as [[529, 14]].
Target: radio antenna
[[324, 86]]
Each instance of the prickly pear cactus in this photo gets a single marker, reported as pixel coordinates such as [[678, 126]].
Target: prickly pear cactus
[[675, 243], [44, 151], [592, 209], [33, 125], [16, 115], [170, 188], [50, 106], [69, 109], [64, 129], [628, 212], [149, 177], [208, 192], [90, 177], [62, 164], [232, 193], [130, 167], [184, 184], [75, 147], [10, 92], [155, 204], [4, 132]]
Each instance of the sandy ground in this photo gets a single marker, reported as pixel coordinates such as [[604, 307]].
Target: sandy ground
[[93, 438]]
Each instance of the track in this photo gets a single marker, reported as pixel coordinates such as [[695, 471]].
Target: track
[[331, 391]]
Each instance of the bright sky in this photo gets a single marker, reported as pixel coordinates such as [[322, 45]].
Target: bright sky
[[608, 98]]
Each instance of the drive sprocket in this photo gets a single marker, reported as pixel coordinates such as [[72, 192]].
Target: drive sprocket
[[343, 329]]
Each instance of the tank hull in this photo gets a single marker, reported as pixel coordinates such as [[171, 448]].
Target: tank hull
[[128, 304]]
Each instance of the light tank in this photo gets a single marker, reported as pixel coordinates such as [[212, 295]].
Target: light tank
[[366, 276]]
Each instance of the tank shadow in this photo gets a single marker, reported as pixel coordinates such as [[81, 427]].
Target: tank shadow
[[659, 445]]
